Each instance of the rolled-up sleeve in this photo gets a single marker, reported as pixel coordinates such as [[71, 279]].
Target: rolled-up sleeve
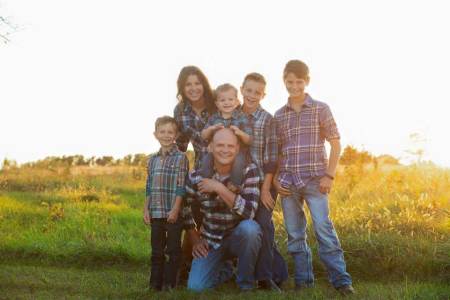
[[181, 178], [246, 202], [270, 147], [188, 219], [328, 127]]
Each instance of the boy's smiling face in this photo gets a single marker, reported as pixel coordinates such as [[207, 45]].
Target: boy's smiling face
[[227, 101], [252, 93], [166, 134], [295, 85]]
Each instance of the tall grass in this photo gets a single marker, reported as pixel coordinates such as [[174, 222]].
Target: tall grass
[[393, 223]]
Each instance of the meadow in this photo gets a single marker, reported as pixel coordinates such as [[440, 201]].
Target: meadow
[[77, 232]]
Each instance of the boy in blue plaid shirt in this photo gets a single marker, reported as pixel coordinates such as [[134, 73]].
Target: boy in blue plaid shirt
[[167, 171], [228, 115]]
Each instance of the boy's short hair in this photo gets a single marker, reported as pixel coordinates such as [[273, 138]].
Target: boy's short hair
[[224, 88], [297, 67], [255, 77], [165, 120]]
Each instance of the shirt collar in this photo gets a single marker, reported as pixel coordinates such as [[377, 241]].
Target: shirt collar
[[308, 102], [171, 151], [188, 108], [257, 113]]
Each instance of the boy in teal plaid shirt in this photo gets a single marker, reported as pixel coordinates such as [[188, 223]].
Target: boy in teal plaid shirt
[[167, 171]]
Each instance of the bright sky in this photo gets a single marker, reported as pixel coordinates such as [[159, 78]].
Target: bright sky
[[90, 77]]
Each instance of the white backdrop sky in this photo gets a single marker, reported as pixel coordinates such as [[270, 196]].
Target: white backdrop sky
[[90, 77]]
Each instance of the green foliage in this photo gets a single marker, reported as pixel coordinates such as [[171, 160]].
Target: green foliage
[[393, 219]]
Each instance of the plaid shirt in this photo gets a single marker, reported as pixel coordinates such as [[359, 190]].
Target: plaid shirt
[[165, 180], [219, 220], [261, 122], [301, 141], [191, 126], [238, 119]]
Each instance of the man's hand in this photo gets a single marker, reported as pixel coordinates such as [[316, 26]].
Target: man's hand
[[325, 185], [173, 215], [200, 249], [147, 217], [267, 200], [208, 185], [281, 190]]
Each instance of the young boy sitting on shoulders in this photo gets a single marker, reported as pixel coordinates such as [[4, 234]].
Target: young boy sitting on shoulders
[[167, 171], [228, 115]]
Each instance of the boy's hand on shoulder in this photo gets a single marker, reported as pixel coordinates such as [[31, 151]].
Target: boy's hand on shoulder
[[147, 217], [325, 185], [173, 215]]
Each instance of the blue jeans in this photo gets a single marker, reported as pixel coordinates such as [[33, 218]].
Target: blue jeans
[[270, 263], [244, 243], [330, 251]]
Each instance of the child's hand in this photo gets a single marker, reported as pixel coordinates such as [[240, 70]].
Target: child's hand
[[173, 215], [236, 130], [147, 217], [281, 190], [217, 127]]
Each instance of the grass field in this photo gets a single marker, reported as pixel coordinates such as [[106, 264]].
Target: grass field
[[78, 233]]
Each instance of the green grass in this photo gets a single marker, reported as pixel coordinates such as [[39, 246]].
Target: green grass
[[18, 281], [82, 236]]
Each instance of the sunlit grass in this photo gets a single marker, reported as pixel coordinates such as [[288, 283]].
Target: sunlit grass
[[393, 223]]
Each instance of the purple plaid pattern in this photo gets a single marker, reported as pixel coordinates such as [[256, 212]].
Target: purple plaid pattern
[[301, 141], [165, 180], [219, 219], [191, 126]]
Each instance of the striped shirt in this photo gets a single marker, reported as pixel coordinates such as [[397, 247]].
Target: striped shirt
[[191, 126], [238, 119], [261, 122], [165, 180], [218, 219], [301, 141]]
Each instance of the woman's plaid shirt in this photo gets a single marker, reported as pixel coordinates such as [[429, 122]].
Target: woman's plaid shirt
[[191, 125]]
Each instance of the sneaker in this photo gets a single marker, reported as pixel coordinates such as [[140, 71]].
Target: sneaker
[[346, 290]]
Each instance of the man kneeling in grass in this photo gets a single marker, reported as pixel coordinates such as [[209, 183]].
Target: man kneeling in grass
[[228, 229]]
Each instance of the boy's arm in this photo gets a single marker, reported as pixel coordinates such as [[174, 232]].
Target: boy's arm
[[147, 217], [243, 136], [181, 190], [335, 151], [330, 131]]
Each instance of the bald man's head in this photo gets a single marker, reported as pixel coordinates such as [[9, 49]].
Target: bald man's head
[[225, 133], [224, 147]]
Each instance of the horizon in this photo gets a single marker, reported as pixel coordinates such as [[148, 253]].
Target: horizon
[[96, 87]]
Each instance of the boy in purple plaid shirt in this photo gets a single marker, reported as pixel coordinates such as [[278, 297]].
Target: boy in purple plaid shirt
[[305, 175], [165, 188]]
